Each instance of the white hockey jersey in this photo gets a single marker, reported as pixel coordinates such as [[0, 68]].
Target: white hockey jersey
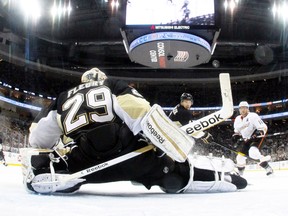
[[247, 125]]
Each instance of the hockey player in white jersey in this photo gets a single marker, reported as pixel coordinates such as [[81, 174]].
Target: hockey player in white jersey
[[106, 119], [249, 133]]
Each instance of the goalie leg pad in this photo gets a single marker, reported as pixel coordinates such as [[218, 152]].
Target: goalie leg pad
[[212, 163], [222, 166], [210, 187], [166, 135]]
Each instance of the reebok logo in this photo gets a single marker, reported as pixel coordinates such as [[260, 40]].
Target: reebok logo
[[97, 167], [154, 133], [204, 124]]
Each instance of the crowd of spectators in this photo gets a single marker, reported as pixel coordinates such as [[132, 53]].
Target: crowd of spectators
[[14, 128], [205, 95], [14, 133]]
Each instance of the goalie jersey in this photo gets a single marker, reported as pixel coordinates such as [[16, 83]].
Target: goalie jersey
[[85, 106]]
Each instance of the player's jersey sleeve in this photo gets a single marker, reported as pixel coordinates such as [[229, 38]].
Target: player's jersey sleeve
[[45, 131], [129, 105], [258, 122], [180, 115], [237, 124], [248, 125]]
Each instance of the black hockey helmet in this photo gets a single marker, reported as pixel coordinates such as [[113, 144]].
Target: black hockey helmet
[[186, 96]]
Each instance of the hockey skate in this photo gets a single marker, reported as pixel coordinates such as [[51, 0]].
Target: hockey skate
[[269, 170], [240, 171], [264, 164], [40, 175], [4, 163]]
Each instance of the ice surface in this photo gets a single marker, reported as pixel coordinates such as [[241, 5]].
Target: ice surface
[[264, 196]]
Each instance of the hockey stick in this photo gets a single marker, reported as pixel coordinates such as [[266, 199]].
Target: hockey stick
[[271, 135], [219, 116], [232, 150], [44, 183]]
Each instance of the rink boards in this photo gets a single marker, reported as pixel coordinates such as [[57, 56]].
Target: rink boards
[[14, 159]]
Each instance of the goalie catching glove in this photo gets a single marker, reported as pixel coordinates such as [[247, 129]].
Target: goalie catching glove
[[40, 175]]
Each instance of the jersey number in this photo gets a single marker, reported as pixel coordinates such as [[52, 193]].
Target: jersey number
[[98, 99]]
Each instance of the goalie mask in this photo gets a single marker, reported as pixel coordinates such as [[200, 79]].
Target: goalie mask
[[93, 74]]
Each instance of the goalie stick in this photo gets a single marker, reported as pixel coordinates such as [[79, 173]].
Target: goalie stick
[[219, 116], [45, 184], [192, 128]]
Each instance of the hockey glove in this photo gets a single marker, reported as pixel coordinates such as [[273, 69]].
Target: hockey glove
[[207, 138], [258, 134], [236, 138]]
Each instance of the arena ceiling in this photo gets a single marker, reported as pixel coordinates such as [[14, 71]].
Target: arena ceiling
[[252, 43]]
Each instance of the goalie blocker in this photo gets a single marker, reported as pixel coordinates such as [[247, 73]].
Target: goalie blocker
[[166, 135]]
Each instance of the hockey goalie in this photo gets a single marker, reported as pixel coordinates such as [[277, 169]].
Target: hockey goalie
[[87, 134]]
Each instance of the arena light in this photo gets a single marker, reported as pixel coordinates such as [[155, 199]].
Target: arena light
[[279, 11], [31, 9], [115, 4], [60, 10], [231, 5]]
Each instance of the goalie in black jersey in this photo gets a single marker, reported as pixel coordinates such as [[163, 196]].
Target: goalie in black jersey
[[102, 119]]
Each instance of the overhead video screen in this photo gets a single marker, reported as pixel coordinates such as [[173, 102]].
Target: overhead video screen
[[170, 12]]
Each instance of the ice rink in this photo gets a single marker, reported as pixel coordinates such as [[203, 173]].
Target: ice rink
[[264, 196]]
